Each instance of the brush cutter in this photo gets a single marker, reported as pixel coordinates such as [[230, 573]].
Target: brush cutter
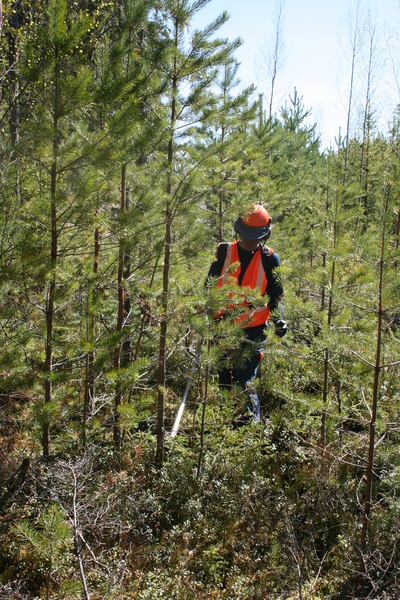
[[185, 395]]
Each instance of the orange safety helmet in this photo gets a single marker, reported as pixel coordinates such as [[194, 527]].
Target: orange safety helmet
[[255, 223]]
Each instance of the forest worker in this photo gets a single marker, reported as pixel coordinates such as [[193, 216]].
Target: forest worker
[[257, 269]]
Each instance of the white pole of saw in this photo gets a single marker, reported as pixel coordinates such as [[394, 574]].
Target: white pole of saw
[[185, 395]]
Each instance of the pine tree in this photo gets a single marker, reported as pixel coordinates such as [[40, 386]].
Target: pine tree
[[53, 64], [190, 74], [228, 133], [50, 543]]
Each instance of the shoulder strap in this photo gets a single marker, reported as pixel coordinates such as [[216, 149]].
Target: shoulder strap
[[221, 250], [266, 254], [227, 264], [223, 278]]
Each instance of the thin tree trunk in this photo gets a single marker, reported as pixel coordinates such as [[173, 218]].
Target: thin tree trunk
[[78, 541], [93, 324], [326, 351], [163, 341], [339, 402], [221, 214], [203, 420], [127, 343], [371, 448], [354, 51], [86, 393], [366, 129], [167, 258], [14, 22], [90, 356], [324, 397], [277, 52], [120, 318], [195, 408], [260, 125], [221, 193], [330, 307], [53, 264], [325, 228], [143, 317], [326, 362], [48, 579], [397, 234], [49, 359], [353, 60]]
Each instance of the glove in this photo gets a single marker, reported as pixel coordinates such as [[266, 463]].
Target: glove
[[280, 328]]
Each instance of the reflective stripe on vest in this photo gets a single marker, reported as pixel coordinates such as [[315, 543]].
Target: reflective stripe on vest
[[254, 278]]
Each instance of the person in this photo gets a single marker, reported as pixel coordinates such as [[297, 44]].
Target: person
[[249, 263]]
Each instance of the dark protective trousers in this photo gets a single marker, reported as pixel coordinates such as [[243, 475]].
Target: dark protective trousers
[[244, 373]]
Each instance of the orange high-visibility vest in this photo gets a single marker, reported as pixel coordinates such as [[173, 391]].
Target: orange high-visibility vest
[[254, 278]]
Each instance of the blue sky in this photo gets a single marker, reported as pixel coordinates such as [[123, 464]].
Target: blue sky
[[315, 32]]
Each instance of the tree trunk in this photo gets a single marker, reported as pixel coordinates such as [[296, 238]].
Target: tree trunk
[[167, 258], [221, 214], [277, 52], [339, 404], [221, 193], [163, 341], [366, 130], [127, 344], [324, 397], [371, 448], [397, 234], [353, 60], [203, 419], [90, 356], [14, 22], [195, 408], [53, 265], [326, 362], [326, 351], [120, 318], [325, 228], [143, 316]]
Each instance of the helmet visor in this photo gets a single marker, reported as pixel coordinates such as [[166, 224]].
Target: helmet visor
[[253, 233]]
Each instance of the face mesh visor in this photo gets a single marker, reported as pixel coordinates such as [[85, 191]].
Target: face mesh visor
[[253, 233]]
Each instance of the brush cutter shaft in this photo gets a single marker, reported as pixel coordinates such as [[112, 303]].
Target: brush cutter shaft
[[185, 395]]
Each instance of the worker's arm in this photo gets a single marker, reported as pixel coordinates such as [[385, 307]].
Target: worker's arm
[[216, 266], [275, 293]]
